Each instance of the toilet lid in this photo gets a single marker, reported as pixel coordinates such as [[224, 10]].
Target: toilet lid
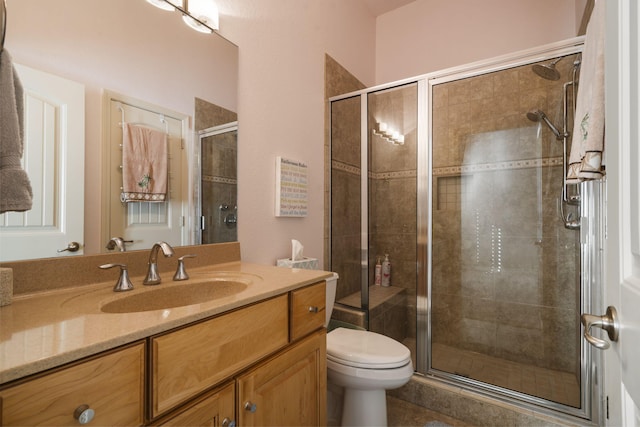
[[366, 349]]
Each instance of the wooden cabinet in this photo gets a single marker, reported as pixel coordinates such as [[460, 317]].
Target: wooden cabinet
[[271, 354], [287, 390], [215, 409], [190, 360], [112, 385]]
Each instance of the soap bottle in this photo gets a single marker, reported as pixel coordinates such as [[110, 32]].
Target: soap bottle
[[386, 271], [378, 272]]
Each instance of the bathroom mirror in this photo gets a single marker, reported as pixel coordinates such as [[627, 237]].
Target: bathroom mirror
[[126, 46]]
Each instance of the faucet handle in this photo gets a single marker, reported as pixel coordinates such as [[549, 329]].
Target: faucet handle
[[181, 273], [123, 283]]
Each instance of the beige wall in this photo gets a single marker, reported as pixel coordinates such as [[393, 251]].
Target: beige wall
[[431, 35]]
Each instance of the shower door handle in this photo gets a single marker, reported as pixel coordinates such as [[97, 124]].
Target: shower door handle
[[608, 322]]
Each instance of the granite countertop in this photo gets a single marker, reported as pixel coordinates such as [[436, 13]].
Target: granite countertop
[[47, 329]]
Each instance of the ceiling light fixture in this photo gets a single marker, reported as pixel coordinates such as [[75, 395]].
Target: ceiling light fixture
[[201, 15], [165, 5]]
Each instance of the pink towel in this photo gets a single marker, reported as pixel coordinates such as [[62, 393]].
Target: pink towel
[[144, 164], [587, 144]]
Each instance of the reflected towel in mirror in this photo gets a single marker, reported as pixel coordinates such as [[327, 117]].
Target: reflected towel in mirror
[[144, 164]]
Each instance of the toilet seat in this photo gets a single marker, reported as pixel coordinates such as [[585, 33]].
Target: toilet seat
[[365, 349]]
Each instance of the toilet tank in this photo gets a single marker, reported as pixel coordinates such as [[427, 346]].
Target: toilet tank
[[332, 284]]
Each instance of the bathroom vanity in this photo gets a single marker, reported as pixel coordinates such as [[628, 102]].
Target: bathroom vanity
[[255, 355]]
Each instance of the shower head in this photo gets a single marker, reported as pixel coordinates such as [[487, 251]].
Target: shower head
[[547, 71], [537, 115]]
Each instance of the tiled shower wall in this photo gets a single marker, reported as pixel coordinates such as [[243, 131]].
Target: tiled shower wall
[[505, 270]]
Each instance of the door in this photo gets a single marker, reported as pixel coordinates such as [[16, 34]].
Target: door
[[141, 224], [54, 161], [622, 264]]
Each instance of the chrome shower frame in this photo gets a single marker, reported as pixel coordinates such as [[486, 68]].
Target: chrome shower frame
[[589, 363], [591, 406]]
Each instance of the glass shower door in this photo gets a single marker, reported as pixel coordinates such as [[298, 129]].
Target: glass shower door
[[505, 279]]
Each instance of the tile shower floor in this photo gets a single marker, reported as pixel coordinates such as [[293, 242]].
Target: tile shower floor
[[557, 386]]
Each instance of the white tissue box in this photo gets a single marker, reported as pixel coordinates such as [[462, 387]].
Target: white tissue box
[[306, 263]]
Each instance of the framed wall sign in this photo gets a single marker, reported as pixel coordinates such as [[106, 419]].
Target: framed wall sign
[[291, 188]]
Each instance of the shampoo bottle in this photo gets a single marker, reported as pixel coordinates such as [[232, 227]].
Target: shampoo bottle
[[378, 272], [386, 271]]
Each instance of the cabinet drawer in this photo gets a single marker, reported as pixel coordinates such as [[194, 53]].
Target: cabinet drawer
[[210, 410], [112, 385], [307, 309], [190, 360]]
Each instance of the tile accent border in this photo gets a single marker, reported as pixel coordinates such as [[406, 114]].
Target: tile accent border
[[454, 170], [506, 165], [219, 179], [354, 170]]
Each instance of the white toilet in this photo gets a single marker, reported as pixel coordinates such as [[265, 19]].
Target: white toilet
[[365, 364]]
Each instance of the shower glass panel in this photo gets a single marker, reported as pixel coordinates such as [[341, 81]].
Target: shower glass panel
[[392, 197], [505, 278], [219, 183], [373, 209], [346, 209]]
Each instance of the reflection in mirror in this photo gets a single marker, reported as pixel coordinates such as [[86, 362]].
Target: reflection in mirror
[[133, 49], [219, 154]]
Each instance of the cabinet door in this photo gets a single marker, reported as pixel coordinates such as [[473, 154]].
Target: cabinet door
[[111, 385], [216, 409], [287, 390]]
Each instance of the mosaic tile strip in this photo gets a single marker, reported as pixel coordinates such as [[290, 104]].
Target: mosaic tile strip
[[507, 165], [455, 170], [219, 179], [336, 165], [344, 167]]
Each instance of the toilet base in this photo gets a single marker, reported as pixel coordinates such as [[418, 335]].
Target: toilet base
[[364, 408]]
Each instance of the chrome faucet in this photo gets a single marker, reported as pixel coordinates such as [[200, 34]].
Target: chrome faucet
[[117, 242], [153, 278]]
